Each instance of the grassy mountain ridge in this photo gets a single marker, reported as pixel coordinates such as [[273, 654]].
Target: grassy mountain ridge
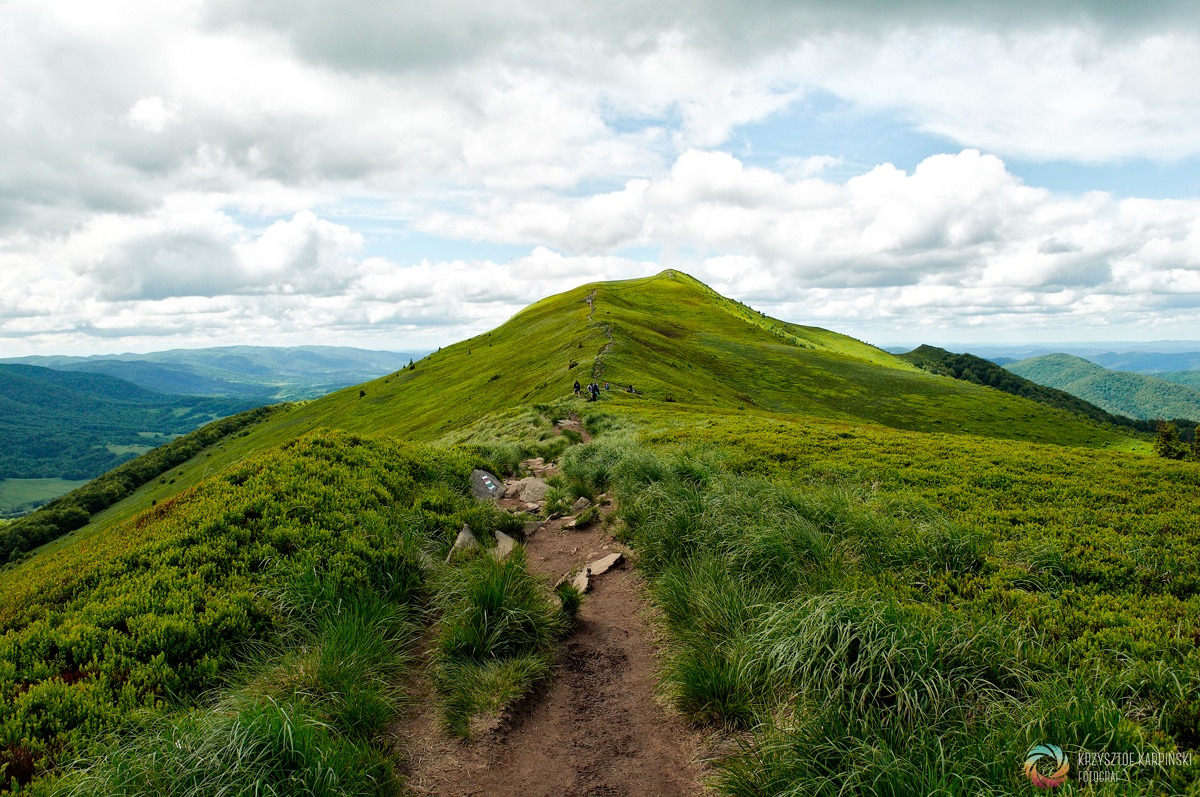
[[1124, 392], [675, 341]]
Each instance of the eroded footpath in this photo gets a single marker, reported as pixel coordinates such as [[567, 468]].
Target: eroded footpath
[[597, 729]]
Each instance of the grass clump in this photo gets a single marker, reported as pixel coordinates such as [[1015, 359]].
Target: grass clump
[[307, 719], [588, 516], [496, 637], [250, 747]]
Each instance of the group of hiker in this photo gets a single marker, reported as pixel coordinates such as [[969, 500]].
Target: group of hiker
[[594, 389]]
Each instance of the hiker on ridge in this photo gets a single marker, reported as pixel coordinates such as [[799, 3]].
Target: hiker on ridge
[[577, 387]]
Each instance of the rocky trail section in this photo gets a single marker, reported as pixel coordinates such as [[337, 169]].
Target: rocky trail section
[[596, 730]]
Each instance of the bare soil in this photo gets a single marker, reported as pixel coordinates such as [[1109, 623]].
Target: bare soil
[[597, 730]]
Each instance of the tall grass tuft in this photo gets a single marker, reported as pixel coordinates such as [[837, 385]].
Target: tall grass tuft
[[252, 746], [496, 636], [303, 722]]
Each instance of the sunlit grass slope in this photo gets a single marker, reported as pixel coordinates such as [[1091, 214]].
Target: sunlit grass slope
[[676, 341], [889, 612], [673, 339]]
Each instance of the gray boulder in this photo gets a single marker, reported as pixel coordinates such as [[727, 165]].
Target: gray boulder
[[602, 566], [465, 540], [504, 545], [531, 489], [485, 486]]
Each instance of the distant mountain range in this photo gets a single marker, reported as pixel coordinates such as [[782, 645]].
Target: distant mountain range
[[970, 368], [262, 374], [1136, 395], [64, 419]]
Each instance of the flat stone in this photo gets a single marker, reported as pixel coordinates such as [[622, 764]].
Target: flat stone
[[485, 486], [529, 528], [580, 504], [602, 566], [504, 545], [532, 507], [531, 489], [578, 580], [574, 523], [465, 539]]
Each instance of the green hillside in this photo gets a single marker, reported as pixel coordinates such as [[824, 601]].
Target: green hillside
[[974, 369], [871, 579], [1186, 378], [676, 342], [1122, 392], [55, 424]]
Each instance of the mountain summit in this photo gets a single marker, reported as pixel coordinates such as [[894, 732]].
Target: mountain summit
[[676, 341]]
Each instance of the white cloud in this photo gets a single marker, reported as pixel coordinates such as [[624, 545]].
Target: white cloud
[[153, 114], [146, 141]]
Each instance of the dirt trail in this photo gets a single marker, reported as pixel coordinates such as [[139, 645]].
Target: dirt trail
[[597, 730], [598, 363]]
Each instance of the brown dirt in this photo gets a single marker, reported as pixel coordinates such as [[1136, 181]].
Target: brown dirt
[[597, 730]]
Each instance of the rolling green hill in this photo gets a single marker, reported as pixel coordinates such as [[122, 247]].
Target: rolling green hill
[[677, 342], [918, 577], [55, 424], [974, 369], [1122, 392], [674, 340]]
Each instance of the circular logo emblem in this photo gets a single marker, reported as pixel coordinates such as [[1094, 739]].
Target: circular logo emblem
[[1053, 766]]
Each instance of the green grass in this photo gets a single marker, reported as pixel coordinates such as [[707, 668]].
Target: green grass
[[129, 449], [905, 613], [305, 721], [671, 335], [886, 581], [17, 495], [496, 637], [158, 612]]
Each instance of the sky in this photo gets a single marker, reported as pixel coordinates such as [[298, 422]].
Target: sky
[[402, 175]]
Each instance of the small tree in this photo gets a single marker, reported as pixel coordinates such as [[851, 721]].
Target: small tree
[[1167, 443]]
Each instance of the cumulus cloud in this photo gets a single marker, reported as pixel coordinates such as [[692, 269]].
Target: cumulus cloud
[[181, 169], [957, 220]]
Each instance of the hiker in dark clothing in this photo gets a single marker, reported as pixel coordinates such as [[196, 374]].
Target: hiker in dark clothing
[[576, 387], [594, 389]]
